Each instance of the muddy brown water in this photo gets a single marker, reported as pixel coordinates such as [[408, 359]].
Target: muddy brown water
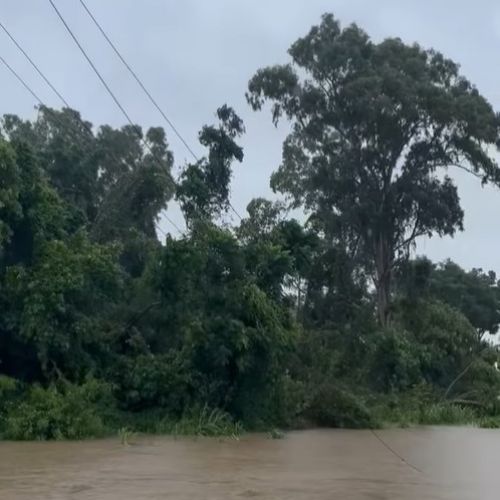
[[452, 463]]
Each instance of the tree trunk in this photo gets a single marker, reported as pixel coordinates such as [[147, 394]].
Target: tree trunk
[[383, 278]]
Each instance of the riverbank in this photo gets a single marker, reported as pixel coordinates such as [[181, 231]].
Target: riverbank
[[90, 411]]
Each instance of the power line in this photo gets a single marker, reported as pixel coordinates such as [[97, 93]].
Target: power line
[[395, 453], [39, 71], [44, 77], [103, 81], [41, 104], [20, 79], [143, 87], [173, 224], [92, 65], [47, 81], [234, 210], [101, 78], [28, 88], [138, 80], [158, 227]]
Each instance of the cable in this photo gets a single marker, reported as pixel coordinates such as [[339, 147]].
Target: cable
[[158, 228], [47, 81], [39, 71], [395, 453], [41, 104], [173, 224], [23, 83], [143, 87], [138, 80], [27, 87], [101, 78], [92, 65], [234, 210]]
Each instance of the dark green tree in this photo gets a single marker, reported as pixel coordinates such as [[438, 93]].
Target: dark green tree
[[64, 146], [203, 188], [374, 124], [9, 192], [474, 293], [119, 180], [54, 283]]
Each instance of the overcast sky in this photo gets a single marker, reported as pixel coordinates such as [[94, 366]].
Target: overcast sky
[[195, 55]]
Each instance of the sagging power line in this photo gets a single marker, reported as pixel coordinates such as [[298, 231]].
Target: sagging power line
[[143, 87], [38, 70], [41, 104], [139, 81], [101, 78]]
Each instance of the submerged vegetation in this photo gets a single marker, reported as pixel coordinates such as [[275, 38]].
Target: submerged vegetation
[[272, 323]]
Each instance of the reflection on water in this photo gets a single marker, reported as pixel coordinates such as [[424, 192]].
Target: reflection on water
[[455, 464]]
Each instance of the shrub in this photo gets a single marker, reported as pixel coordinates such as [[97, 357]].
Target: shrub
[[63, 411], [396, 360], [8, 387], [149, 381], [333, 406]]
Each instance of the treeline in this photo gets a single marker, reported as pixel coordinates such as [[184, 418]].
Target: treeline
[[270, 322]]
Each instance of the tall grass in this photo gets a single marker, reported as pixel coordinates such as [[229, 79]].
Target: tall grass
[[209, 423], [447, 414], [203, 421]]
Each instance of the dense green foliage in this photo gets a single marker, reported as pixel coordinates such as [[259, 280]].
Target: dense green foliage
[[273, 322]]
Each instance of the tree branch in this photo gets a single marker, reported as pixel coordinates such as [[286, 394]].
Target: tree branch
[[414, 234], [140, 314]]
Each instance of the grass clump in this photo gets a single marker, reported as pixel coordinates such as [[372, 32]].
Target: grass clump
[[447, 414], [126, 436], [199, 421], [421, 405], [490, 423], [276, 434], [209, 423]]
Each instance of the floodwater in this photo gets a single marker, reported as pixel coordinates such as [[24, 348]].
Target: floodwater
[[438, 463]]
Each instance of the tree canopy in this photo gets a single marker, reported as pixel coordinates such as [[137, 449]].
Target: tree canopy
[[373, 125], [269, 322]]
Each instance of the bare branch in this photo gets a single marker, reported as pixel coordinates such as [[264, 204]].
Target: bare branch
[[414, 234]]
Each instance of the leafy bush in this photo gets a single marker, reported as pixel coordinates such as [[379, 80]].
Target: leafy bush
[[147, 381], [396, 361], [9, 390], [261, 407], [63, 411], [8, 387], [333, 406]]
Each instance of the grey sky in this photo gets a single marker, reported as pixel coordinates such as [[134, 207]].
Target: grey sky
[[195, 55]]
